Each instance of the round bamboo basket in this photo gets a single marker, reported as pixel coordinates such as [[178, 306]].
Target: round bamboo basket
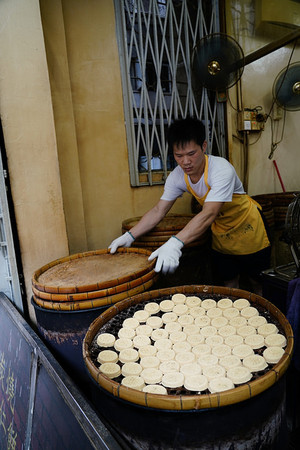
[[189, 402], [93, 279], [69, 275], [170, 224], [92, 295], [279, 201], [146, 282]]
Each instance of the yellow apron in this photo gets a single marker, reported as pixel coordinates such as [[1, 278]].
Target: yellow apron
[[238, 229]]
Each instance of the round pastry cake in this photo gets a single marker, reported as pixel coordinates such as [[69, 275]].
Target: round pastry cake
[[190, 343]]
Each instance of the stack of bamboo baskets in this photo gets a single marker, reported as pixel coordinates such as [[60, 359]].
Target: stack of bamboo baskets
[[278, 202], [92, 279], [169, 225]]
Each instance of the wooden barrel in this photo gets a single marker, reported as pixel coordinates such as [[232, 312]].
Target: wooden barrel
[[69, 293], [169, 225], [251, 415]]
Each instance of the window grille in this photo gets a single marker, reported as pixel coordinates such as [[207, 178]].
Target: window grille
[[156, 40]]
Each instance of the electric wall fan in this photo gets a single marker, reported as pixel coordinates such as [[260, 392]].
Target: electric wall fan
[[286, 88], [217, 62]]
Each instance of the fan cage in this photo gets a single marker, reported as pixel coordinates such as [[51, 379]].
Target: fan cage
[[214, 47], [283, 88]]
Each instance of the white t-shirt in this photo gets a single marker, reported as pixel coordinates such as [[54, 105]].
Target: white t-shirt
[[222, 179]]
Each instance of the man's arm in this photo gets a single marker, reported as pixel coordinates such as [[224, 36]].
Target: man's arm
[[151, 218], [200, 223], [147, 222]]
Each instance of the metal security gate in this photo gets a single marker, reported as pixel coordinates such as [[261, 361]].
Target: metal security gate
[[9, 277], [156, 40]]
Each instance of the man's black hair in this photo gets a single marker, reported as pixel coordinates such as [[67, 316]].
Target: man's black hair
[[183, 131]]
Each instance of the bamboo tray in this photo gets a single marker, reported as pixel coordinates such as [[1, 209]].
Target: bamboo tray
[[171, 222], [155, 244], [96, 302], [190, 402], [92, 271], [95, 295], [160, 234]]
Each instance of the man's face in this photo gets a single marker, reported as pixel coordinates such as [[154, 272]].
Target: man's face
[[191, 159]]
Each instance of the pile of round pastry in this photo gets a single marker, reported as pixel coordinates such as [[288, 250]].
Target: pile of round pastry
[[190, 345]]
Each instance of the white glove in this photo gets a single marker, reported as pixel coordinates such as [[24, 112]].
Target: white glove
[[123, 241], [167, 255]]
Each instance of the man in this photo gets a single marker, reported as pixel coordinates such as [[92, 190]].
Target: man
[[239, 238]]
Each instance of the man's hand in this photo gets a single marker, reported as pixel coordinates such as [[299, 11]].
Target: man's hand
[[167, 256], [125, 240]]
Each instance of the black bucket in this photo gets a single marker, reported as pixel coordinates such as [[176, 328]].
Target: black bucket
[[63, 332], [258, 423]]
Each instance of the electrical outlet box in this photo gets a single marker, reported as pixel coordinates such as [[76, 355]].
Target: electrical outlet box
[[250, 120], [277, 112]]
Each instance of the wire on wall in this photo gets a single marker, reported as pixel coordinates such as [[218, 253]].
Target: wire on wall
[[274, 142]]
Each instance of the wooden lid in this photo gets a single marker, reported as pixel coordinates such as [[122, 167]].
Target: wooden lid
[[171, 222], [91, 271], [190, 402]]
